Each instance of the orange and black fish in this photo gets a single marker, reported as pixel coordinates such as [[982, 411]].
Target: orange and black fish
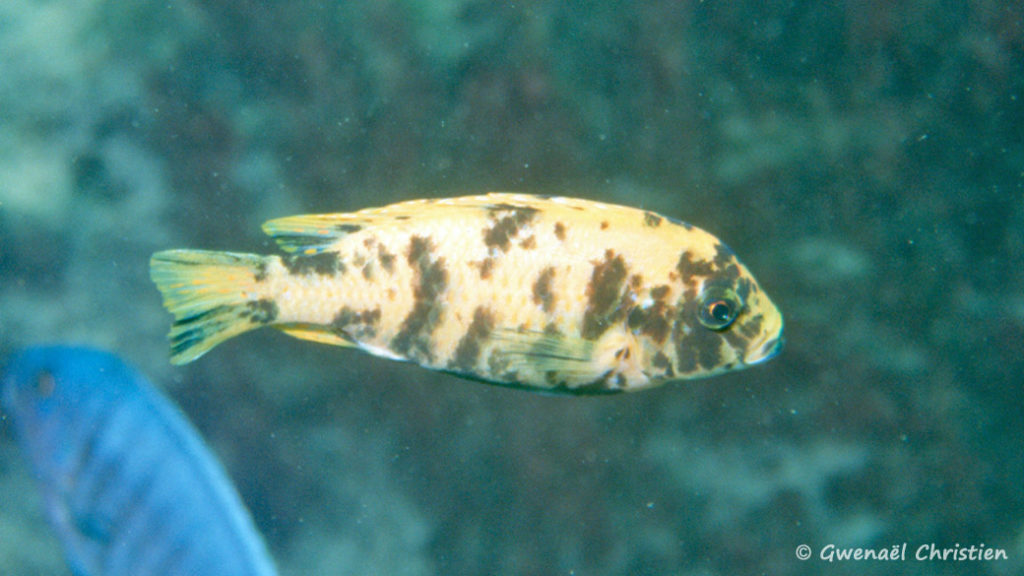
[[548, 293]]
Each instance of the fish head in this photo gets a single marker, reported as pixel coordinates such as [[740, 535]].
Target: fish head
[[30, 386], [44, 387], [725, 320]]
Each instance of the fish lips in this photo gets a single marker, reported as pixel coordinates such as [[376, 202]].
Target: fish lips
[[769, 348]]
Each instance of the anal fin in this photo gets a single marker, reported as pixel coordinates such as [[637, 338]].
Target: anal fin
[[314, 333]]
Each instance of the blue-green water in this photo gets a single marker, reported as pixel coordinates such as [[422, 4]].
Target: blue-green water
[[866, 161]]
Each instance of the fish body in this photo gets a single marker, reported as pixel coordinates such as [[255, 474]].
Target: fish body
[[549, 293], [129, 486]]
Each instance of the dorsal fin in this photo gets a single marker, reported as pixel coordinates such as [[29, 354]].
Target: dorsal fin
[[312, 234]]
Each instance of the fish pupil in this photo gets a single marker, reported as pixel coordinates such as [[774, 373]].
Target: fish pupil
[[720, 311]]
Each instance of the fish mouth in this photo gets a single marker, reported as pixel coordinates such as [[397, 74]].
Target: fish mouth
[[767, 349]]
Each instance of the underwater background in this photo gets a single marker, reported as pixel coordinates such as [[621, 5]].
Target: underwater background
[[865, 160]]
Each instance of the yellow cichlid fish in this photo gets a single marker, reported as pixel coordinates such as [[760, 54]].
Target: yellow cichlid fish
[[548, 293]]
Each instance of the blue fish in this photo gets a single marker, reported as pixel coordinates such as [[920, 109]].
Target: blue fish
[[128, 484]]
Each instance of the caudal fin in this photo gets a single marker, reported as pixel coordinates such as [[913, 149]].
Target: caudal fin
[[213, 296]]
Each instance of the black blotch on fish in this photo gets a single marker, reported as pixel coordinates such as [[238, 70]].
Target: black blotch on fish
[[262, 311], [726, 268], [662, 362], [260, 273], [486, 267], [751, 327], [324, 264], [543, 295], [604, 225], [652, 321], [387, 259], [734, 337], [700, 349], [498, 365], [506, 207], [729, 276], [744, 288], [356, 325], [508, 219], [467, 353], [603, 292], [652, 220], [552, 380], [431, 280], [348, 228], [688, 267], [711, 356], [656, 321], [560, 231]]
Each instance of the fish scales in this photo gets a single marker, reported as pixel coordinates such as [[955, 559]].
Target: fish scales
[[551, 293]]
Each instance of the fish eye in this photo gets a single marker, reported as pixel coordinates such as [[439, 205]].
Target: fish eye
[[45, 384], [718, 308]]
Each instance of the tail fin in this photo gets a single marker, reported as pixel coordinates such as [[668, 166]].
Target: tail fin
[[212, 295]]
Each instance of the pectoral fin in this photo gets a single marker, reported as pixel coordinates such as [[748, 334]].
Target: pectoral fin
[[564, 361], [576, 365]]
